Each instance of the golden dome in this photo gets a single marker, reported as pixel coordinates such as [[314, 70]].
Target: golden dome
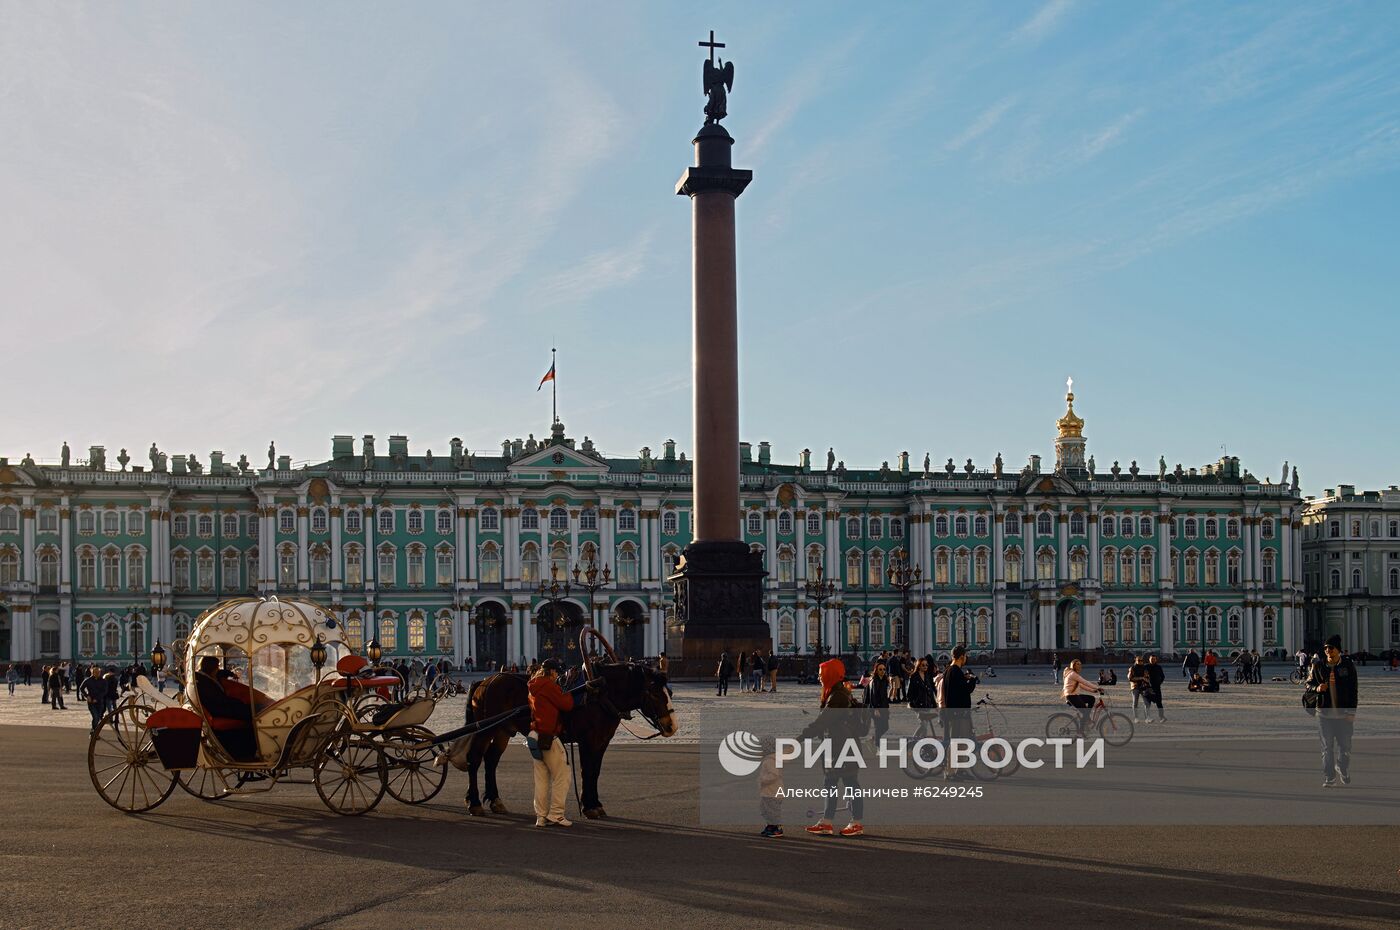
[[1071, 425]]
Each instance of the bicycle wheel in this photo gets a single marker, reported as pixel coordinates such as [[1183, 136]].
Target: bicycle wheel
[[1062, 726], [1116, 729]]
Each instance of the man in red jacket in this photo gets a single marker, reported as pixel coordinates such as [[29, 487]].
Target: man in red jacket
[[547, 702]]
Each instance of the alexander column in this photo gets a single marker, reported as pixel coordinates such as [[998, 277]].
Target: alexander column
[[719, 583]]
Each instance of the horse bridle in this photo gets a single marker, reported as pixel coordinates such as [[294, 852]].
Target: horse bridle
[[631, 667]]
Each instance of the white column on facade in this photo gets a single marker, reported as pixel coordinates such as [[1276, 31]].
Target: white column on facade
[[1095, 569], [1062, 545], [770, 538], [464, 549], [337, 574], [607, 533], [65, 545], [832, 526], [573, 536], [303, 543], [27, 565], [1029, 574], [655, 543], [1165, 555], [998, 577], [65, 629], [371, 565], [511, 556], [1285, 529], [799, 515]]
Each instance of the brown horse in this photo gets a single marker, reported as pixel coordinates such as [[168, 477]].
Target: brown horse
[[626, 687]]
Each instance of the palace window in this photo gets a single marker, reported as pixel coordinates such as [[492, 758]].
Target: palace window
[[813, 625], [814, 523], [1334, 579], [962, 570], [1395, 580], [489, 519], [388, 631], [9, 520], [444, 632], [530, 564], [286, 520], [1334, 530], [179, 525], [1189, 528], [111, 570], [48, 520], [1147, 626], [442, 573], [1145, 566], [180, 571], [385, 520], [1013, 628], [287, 567], [1129, 627], [136, 569], [1078, 564], [1013, 524], [253, 567], [87, 522], [1127, 563], [1212, 528], [415, 521], [627, 521], [877, 568], [490, 566], [785, 631], [896, 528], [135, 523], [230, 570], [627, 567], [854, 629], [204, 526], [48, 570], [1045, 524], [670, 523], [940, 566], [588, 519], [669, 556], [877, 631], [204, 568], [9, 566], [87, 636], [853, 565], [320, 566], [1266, 566], [1232, 568], [1045, 564], [1270, 627], [1110, 626], [111, 523], [558, 520], [417, 632], [387, 571], [981, 567], [253, 525], [875, 526], [940, 525], [318, 520], [960, 526], [1192, 575], [785, 523], [1212, 566], [1356, 529], [754, 523], [559, 560], [943, 627], [853, 527], [354, 566], [444, 521], [1232, 528], [979, 525], [352, 521], [1012, 565], [1356, 584], [415, 566], [230, 528], [1076, 524], [355, 632], [787, 566], [111, 638], [1266, 528], [529, 519], [1109, 566], [1394, 529]]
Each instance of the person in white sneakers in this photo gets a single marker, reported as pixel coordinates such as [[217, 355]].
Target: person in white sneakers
[[547, 701]]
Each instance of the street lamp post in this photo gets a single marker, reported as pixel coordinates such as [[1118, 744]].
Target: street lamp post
[[963, 608], [1203, 606], [554, 592], [820, 590], [589, 579], [1320, 619], [901, 576]]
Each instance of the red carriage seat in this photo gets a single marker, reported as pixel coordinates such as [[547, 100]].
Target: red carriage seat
[[351, 665]]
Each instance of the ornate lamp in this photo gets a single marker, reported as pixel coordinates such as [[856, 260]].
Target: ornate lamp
[[374, 651], [318, 654], [157, 657]]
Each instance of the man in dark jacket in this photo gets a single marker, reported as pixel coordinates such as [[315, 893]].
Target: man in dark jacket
[[1153, 693], [1334, 680], [723, 673], [1191, 665], [921, 697], [956, 703]]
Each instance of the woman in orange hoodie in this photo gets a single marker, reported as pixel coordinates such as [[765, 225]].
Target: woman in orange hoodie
[[547, 701]]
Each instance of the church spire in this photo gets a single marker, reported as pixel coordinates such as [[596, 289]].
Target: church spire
[[1069, 444]]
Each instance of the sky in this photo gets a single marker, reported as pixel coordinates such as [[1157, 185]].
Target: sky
[[226, 224]]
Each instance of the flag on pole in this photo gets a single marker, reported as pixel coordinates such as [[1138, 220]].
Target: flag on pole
[[548, 376]]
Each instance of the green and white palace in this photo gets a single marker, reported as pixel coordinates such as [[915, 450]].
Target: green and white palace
[[443, 556]]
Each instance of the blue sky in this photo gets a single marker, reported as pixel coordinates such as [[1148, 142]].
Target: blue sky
[[228, 224]]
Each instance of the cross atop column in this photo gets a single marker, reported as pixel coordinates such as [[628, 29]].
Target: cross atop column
[[712, 45]]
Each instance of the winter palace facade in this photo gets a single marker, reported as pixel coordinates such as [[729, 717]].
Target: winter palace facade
[[444, 556]]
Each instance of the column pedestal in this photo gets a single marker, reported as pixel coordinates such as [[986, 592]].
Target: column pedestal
[[719, 599]]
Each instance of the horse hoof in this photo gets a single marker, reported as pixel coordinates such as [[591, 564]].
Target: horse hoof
[[593, 813], [476, 810], [498, 807]]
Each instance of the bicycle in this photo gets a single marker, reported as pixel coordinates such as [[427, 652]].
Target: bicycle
[[1298, 675], [985, 727], [1116, 729]]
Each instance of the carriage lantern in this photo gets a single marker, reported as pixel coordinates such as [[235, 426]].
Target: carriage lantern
[[318, 654], [373, 651], [157, 657]]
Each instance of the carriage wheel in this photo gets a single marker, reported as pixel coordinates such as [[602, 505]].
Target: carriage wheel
[[349, 776], [208, 784], [123, 764], [413, 775]]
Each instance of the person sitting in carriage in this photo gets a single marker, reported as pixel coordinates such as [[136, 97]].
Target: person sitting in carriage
[[229, 718]]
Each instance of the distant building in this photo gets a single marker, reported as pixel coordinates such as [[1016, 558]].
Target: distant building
[[1351, 566], [443, 555]]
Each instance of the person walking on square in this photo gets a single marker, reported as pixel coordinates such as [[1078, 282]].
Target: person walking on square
[[1156, 675], [1057, 665], [772, 674], [1137, 680], [56, 689], [759, 669], [894, 667], [955, 702], [93, 690], [11, 678], [1191, 665], [1334, 680], [838, 722], [723, 673], [44, 684], [743, 667]]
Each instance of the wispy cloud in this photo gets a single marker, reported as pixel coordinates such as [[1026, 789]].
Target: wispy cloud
[[601, 271], [985, 122], [1043, 23]]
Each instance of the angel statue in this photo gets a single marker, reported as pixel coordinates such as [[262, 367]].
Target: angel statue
[[719, 78]]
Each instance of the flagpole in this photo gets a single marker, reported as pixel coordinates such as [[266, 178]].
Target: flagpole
[[554, 385]]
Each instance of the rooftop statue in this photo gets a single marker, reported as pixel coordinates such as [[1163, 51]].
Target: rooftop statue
[[719, 78]]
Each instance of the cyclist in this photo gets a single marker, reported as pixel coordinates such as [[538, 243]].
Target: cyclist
[[1079, 692]]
